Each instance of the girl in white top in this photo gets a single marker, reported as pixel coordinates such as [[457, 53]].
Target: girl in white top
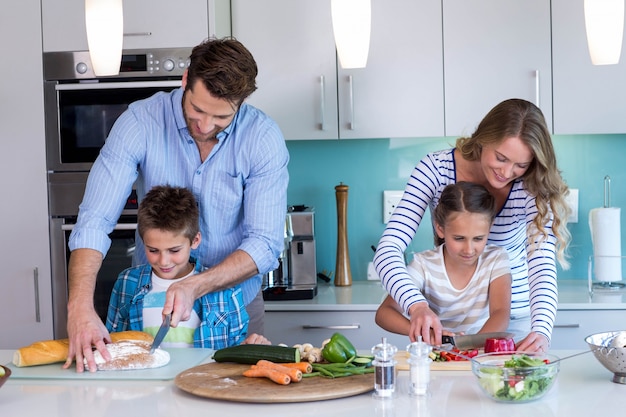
[[466, 282]]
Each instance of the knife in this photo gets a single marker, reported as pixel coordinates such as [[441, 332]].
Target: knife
[[165, 326], [474, 341]]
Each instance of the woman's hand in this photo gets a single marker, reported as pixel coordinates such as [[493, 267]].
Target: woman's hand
[[534, 342], [425, 322]]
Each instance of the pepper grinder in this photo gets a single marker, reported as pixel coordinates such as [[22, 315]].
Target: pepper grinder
[[343, 275]]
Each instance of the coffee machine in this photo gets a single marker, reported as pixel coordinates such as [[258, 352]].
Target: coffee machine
[[296, 276]]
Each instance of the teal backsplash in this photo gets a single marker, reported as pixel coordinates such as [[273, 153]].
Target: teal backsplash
[[369, 166]]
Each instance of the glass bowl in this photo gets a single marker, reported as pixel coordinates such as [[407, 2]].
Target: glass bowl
[[516, 377]]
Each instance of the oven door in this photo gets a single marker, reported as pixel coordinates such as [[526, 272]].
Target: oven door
[[117, 259], [79, 117]]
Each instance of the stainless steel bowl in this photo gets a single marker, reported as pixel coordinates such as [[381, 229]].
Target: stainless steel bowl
[[609, 348]]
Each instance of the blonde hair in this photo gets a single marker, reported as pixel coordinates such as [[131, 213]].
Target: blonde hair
[[522, 119]]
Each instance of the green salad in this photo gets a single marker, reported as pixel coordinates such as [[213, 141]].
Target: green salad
[[518, 384]]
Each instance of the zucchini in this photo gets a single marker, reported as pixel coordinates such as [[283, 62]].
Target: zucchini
[[251, 354]]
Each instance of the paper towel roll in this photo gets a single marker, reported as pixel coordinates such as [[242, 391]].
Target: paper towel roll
[[607, 246]]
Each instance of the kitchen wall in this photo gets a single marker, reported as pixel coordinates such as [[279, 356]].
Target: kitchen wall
[[370, 166]]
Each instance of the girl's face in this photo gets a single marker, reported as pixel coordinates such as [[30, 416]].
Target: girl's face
[[168, 252], [506, 161], [465, 236]]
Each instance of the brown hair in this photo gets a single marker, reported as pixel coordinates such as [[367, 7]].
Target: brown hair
[[463, 197], [227, 69], [167, 208], [522, 119]]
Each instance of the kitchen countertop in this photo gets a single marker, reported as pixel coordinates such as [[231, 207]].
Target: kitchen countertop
[[583, 387], [367, 295]]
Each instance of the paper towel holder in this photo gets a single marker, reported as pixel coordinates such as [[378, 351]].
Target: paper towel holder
[[602, 285]]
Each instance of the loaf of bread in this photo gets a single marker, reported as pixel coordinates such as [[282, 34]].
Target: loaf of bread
[[52, 351]]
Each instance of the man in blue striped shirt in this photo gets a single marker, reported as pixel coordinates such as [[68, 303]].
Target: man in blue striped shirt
[[203, 137]]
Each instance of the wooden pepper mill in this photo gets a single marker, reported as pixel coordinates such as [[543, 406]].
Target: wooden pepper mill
[[343, 274]]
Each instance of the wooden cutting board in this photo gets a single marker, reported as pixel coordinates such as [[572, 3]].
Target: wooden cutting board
[[403, 365], [224, 381]]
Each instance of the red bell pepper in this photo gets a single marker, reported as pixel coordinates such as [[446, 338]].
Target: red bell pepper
[[499, 345]]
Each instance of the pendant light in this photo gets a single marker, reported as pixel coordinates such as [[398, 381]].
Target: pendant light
[[352, 21], [604, 21], [104, 20]]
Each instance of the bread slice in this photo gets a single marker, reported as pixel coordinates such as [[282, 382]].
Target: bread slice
[[53, 351]]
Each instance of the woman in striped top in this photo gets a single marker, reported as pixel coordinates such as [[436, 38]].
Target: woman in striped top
[[511, 154], [466, 282]]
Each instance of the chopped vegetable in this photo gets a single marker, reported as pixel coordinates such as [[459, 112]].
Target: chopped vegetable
[[499, 344]]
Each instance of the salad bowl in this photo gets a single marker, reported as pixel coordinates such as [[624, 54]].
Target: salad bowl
[[515, 377]]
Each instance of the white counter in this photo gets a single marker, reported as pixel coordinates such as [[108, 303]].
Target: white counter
[[583, 388], [367, 295]]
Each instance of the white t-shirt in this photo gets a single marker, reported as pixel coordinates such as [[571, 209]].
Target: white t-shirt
[[153, 302], [459, 310]]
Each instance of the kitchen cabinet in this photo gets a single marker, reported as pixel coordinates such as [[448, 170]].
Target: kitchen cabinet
[[573, 326], [292, 327], [494, 50], [147, 23], [25, 255], [302, 86], [588, 99]]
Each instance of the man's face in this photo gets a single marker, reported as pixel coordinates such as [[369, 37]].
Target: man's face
[[206, 115]]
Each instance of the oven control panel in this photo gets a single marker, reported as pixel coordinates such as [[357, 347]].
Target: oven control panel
[[135, 63]]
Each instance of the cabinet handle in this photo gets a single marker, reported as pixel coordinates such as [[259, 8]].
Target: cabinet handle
[[138, 34], [537, 88], [36, 279], [351, 89], [333, 327], [567, 326], [322, 103]]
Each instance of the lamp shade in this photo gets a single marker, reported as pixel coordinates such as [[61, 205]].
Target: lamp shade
[[104, 20], [352, 21], [604, 21]]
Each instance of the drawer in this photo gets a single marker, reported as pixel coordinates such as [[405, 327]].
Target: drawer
[[292, 327], [572, 326]]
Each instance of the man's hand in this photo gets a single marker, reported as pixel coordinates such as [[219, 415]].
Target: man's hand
[[85, 330], [424, 322], [179, 299], [534, 342]]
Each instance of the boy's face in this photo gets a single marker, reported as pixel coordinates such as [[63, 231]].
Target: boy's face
[[168, 252]]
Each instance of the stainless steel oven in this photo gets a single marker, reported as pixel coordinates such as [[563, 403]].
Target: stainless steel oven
[[80, 110]]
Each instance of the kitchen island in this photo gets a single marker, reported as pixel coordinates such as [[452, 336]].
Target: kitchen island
[[583, 387], [351, 310]]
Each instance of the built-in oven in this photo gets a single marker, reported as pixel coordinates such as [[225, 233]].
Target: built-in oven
[[80, 110]]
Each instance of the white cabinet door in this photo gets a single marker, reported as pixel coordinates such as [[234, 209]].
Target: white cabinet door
[[25, 256], [301, 85], [588, 99], [494, 50], [147, 24]]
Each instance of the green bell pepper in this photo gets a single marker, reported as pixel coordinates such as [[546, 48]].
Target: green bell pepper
[[338, 349]]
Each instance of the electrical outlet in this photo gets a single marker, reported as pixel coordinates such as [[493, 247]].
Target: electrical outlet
[[391, 199], [572, 200]]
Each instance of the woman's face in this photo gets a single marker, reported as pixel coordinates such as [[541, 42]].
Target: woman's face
[[505, 161]]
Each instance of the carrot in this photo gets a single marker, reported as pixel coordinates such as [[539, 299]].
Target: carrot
[[294, 374], [304, 367], [271, 374]]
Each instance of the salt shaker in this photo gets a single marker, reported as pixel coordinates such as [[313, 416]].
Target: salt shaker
[[419, 367], [385, 368]]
